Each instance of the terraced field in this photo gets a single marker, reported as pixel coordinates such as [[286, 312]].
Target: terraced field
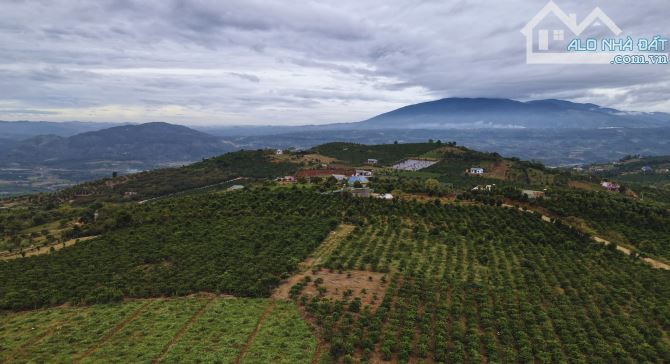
[[204, 328]]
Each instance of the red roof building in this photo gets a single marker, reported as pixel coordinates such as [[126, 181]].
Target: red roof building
[[307, 173]]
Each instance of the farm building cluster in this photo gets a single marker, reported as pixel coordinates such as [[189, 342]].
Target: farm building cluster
[[413, 164], [484, 187], [344, 176], [349, 180]]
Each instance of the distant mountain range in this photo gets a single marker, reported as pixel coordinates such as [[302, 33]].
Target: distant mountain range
[[577, 132], [474, 113], [460, 113], [151, 143], [18, 130]]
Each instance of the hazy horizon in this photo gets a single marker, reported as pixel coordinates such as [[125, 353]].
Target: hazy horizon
[[240, 125]]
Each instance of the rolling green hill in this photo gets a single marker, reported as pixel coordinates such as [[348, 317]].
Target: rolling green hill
[[460, 283], [160, 182], [293, 273]]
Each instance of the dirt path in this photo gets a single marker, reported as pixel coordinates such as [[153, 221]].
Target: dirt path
[[44, 249], [253, 334], [316, 258], [114, 331], [328, 245], [653, 262], [189, 190], [317, 353], [182, 330]]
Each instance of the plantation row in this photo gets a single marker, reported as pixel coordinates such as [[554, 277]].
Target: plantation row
[[473, 284], [240, 243], [236, 243], [645, 227], [183, 330]]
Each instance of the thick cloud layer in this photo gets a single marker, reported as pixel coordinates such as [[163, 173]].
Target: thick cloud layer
[[285, 62]]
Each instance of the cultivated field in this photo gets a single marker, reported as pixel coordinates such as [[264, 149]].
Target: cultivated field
[[204, 328], [482, 284]]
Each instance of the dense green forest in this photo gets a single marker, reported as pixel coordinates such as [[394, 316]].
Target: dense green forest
[[643, 226], [238, 243]]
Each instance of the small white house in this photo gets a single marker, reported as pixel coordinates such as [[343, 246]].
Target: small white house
[[484, 187], [280, 152], [531, 194], [287, 179], [363, 172], [372, 161], [476, 170]]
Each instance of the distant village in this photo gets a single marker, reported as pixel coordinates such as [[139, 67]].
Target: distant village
[[356, 180], [607, 169]]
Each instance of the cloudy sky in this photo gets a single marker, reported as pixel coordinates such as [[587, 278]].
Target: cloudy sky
[[295, 62]]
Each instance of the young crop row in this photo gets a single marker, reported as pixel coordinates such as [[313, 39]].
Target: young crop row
[[198, 329], [474, 284]]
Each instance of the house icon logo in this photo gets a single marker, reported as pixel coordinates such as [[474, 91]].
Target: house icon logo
[[538, 41]]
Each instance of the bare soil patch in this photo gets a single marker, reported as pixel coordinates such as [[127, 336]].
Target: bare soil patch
[[367, 286], [307, 158], [498, 170], [426, 198], [581, 185]]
